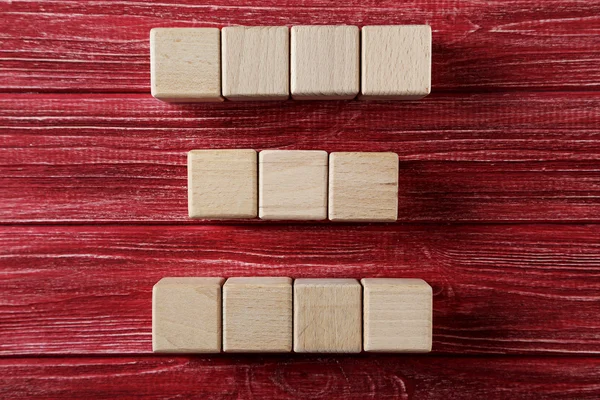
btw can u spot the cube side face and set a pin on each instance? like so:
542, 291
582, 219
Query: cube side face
185, 64
327, 318
222, 184
257, 318
256, 63
363, 187
186, 318
325, 62
395, 62
293, 185
397, 318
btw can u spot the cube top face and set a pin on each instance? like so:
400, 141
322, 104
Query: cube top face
293, 184
186, 315
397, 315
327, 316
222, 184
325, 62
257, 315
363, 187
256, 62
395, 62
185, 64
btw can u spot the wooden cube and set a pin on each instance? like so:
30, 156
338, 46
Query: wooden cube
256, 62
293, 184
186, 315
395, 62
325, 62
257, 315
363, 187
185, 64
222, 184
397, 315
327, 316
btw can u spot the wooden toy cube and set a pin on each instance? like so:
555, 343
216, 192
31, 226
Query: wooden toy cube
325, 62
293, 184
363, 187
256, 62
257, 315
395, 62
397, 315
186, 315
222, 184
185, 64
327, 316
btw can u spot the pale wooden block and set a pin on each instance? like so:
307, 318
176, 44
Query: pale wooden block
222, 184
327, 316
257, 315
395, 62
325, 62
185, 64
256, 62
397, 315
186, 315
293, 184
363, 187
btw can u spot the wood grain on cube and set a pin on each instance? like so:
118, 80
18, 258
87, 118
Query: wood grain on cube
256, 62
257, 315
397, 315
222, 184
293, 184
395, 62
185, 64
325, 62
327, 316
186, 315
363, 186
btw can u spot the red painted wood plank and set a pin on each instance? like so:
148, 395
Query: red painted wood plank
524, 289
296, 376
102, 46
108, 158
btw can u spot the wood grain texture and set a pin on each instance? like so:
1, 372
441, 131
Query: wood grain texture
256, 62
300, 377
186, 315
257, 315
325, 62
395, 62
102, 46
87, 289
327, 315
292, 185
185, 64
397, 315
121, 158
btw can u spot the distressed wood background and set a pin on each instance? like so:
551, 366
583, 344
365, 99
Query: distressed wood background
499, 202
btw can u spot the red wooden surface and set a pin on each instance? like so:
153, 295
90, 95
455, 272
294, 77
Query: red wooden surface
499, 202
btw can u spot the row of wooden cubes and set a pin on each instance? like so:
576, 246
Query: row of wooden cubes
322, 62
293, 185
267, 314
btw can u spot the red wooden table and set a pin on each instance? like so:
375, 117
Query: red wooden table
499, 202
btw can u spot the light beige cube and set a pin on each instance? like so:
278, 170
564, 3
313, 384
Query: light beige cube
363, 187
397, 315
257, 315
325, 62
293, 184
185, 64
327, 316
395, 62
186, 315
222, 184
256, 62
